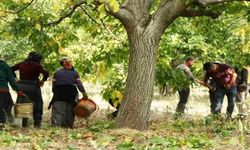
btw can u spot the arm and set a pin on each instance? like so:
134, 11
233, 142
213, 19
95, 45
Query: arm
191, 76
205, 81
189, 73
11, 79
45, 73
233, 77
80, 86
15, 68
53, 81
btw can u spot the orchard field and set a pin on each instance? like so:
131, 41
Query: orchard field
131, 47
196, 130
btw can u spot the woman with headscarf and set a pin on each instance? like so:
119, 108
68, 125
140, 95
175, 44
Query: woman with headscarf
65, 83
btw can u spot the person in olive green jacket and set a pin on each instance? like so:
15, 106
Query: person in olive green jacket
6, 102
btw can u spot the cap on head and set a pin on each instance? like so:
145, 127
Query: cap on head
64, 59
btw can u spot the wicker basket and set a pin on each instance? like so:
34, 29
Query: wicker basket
23, 110
84, 108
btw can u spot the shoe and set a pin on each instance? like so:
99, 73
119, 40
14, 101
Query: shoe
37, 124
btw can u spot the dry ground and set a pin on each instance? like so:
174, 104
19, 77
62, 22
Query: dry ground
196, 130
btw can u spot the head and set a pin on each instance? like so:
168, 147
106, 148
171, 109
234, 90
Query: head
210, 67
190, 61
66, 63
34, 56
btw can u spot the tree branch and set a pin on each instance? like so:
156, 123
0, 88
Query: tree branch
205, 3
167, 12
102, 22
69, 14
13, 12
26, 6
110, 32
196, 13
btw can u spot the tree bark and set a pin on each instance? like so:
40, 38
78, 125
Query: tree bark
135, 108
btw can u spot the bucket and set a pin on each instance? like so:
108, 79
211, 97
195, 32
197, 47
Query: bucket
23, 110
84, 108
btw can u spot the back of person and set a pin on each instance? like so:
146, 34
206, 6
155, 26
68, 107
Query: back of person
6, 102
65, 94
65, 77
29, 70
3, 75
29, 83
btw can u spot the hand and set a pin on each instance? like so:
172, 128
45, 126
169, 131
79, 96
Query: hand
227, 86
200, 82
41, 83
20, 93
84, 95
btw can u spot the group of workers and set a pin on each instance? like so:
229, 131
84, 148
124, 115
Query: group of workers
221, 80
64, 87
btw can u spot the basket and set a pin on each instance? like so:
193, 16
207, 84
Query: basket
84, 108
23, 110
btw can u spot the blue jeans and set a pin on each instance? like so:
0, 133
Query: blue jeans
219, 95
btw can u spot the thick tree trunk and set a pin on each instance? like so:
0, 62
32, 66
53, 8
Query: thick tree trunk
135, 108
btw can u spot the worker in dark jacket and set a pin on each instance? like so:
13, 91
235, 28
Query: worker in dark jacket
6, 102
29, 83
65, 84
224, 77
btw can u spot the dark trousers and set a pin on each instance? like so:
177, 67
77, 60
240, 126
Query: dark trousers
213, 103
218, 100
6, 104
62, 114
183, 94
33, 92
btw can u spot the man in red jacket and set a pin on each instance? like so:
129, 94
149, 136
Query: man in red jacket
224, 77
29, 71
